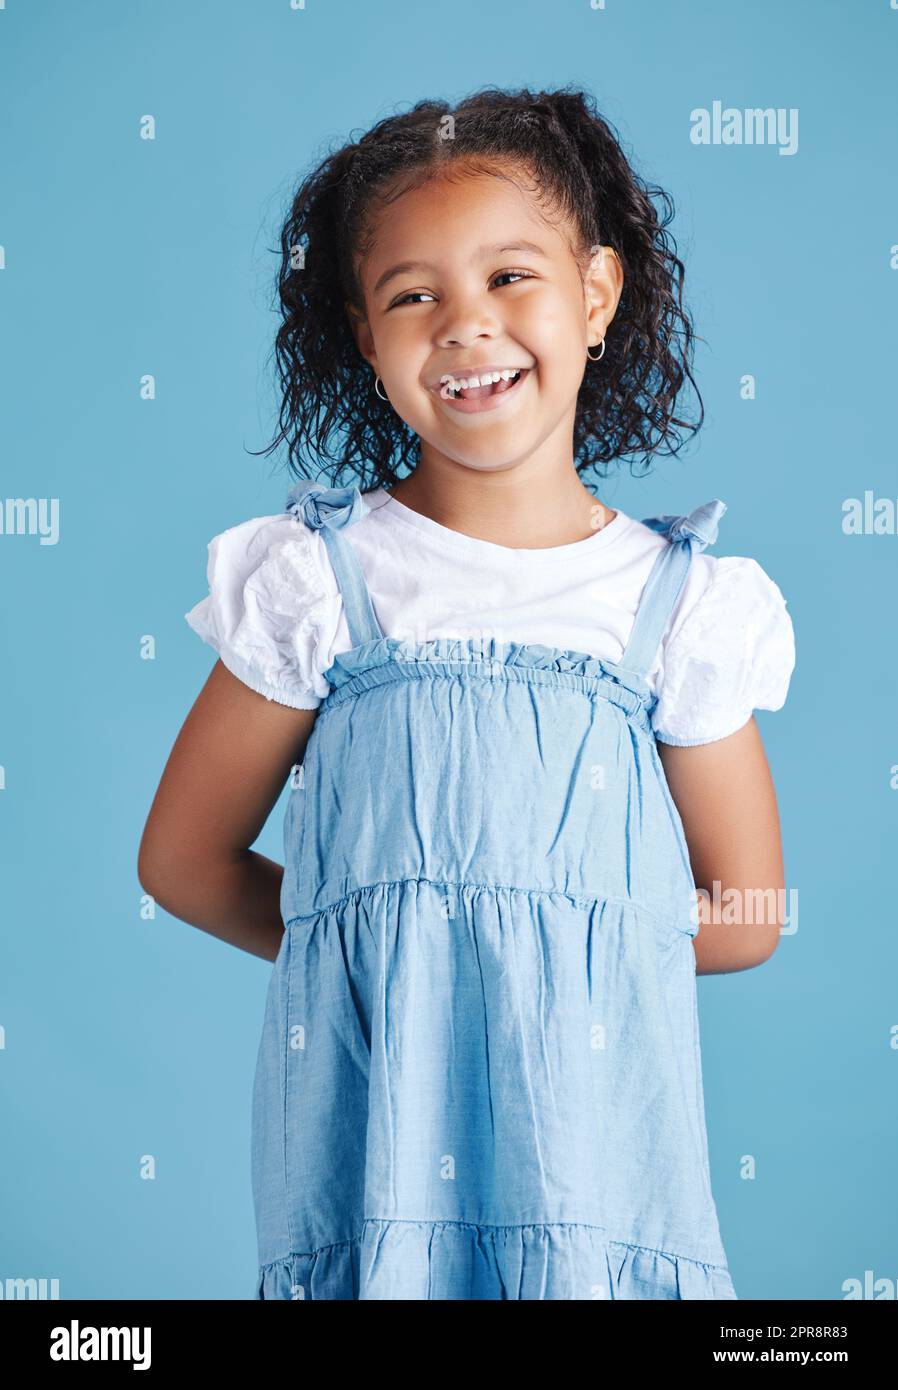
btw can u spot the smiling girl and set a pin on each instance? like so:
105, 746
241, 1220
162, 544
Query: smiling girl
520, 727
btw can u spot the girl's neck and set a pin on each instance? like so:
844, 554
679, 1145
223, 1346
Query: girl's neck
518, 512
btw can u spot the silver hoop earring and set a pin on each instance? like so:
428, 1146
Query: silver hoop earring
600, 356
376, 380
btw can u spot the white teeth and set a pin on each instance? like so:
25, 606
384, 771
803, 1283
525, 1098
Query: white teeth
465, 383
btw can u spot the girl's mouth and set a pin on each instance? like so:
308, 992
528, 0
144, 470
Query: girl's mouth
479, 398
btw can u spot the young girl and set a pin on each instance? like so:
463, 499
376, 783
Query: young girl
520, 727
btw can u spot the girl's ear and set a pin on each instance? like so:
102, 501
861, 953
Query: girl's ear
602, 289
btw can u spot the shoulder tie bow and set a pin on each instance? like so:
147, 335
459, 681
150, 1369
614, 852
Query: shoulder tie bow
699, 527
319, 506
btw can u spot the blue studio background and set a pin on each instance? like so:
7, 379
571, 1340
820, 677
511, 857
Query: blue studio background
123, 256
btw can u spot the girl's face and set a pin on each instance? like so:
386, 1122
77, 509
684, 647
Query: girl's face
466, 275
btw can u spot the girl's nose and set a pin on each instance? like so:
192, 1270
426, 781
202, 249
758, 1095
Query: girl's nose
462, 323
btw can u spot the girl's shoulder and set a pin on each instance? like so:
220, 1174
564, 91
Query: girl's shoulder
729, 649
272, 607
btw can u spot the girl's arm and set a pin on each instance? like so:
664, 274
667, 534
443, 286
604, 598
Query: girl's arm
726, 799
224, 774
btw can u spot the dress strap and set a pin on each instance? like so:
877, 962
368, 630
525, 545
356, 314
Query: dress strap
687, 535
330, 510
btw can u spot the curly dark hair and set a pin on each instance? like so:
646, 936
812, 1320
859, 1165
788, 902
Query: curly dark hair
626, 401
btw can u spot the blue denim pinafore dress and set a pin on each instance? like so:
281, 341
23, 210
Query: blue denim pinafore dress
479, 1073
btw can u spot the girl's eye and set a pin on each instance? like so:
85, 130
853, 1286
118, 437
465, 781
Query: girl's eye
521, 274
416, 294
412, 294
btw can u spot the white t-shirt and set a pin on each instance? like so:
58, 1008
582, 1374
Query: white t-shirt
275, 617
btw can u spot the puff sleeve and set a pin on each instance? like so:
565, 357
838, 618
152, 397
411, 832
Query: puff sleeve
272, 609
731, 653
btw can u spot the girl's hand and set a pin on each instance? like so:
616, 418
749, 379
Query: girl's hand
725, 796
225, 772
